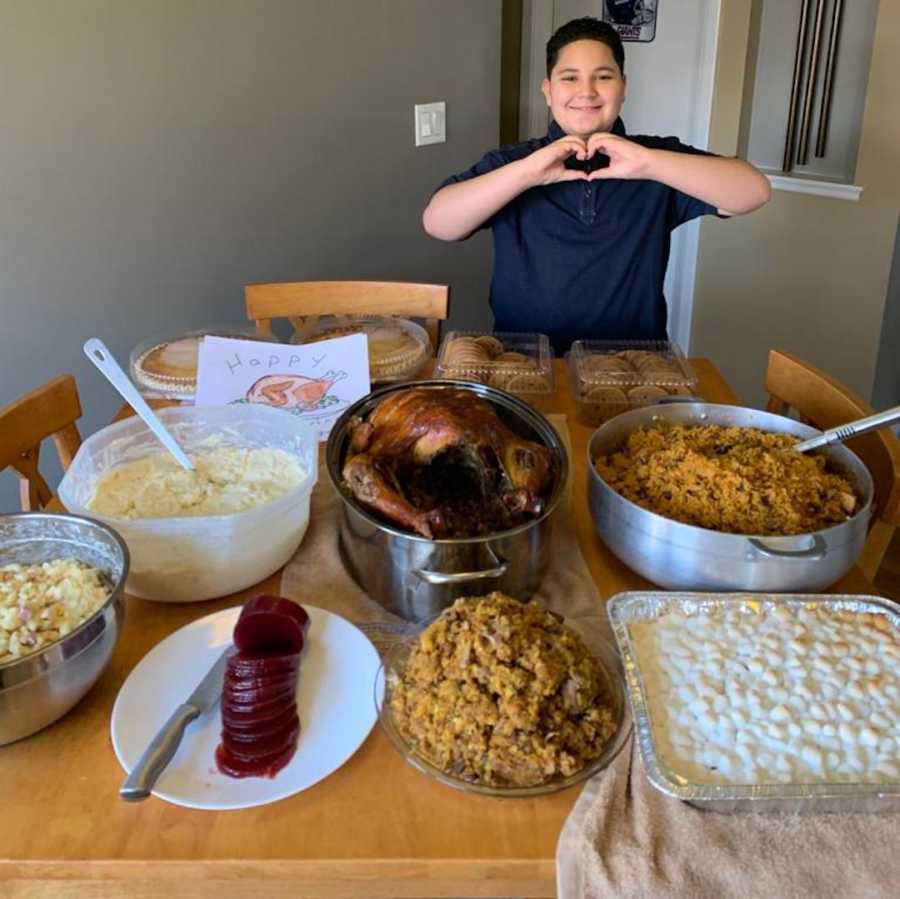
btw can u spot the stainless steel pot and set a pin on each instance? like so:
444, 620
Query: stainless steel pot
39, 688
685, 557
417, 578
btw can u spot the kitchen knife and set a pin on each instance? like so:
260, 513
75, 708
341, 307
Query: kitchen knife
163, 746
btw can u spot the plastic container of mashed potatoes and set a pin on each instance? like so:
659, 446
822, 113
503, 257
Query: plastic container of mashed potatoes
185, 559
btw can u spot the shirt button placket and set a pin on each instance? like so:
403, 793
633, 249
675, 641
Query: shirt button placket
587, 205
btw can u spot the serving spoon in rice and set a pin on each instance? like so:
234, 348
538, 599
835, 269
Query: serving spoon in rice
850, 430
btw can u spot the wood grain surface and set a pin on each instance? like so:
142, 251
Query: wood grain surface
375, 828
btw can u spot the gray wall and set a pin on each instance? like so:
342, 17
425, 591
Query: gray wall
157, 155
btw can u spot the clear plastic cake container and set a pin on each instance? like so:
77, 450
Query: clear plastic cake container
185, 559
155, 383
398, 347
518, 363
613, 376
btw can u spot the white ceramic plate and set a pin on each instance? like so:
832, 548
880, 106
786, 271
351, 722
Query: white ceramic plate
334, 702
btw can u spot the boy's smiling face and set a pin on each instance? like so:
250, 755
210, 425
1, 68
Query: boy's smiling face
586, 88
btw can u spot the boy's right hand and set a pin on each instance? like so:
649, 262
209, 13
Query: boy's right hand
547, 165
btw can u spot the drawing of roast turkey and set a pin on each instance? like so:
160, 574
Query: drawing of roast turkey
292, 391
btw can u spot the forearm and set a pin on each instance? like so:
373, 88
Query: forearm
456, 210
731, 185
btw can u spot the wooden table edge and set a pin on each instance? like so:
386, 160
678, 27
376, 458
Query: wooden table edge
374, 879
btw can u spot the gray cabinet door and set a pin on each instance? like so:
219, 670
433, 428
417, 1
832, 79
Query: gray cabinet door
776, 41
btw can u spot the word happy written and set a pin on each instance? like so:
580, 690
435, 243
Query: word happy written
272, 361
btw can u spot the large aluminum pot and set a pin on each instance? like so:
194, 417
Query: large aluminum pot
685, 557
37, 689
417, 578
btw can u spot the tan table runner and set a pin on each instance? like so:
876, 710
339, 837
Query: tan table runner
626, 839
316, 574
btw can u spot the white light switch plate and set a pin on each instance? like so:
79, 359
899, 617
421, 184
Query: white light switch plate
431, 123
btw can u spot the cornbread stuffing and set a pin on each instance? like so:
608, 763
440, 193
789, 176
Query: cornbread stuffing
500, 693
731, 479
39, 604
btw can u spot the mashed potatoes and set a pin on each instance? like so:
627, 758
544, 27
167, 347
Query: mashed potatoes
501, 693
224, 481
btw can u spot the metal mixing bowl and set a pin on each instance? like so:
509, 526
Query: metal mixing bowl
39, 688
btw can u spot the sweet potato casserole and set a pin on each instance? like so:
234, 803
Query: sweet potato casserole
501, 693
762, 693
732, 479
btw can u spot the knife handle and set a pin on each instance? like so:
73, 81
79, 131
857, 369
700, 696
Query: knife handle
157, 755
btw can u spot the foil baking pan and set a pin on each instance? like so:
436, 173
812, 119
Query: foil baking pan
625, 608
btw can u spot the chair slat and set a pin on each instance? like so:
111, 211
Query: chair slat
34, 492
301, 299
48, 411
826, 403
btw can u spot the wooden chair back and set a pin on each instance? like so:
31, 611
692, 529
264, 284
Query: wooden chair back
299, 300
823, 402
49, 411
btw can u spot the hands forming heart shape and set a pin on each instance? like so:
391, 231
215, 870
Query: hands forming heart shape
597, 161
601, 156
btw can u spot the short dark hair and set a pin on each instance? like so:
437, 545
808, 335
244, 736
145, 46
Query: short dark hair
585, 29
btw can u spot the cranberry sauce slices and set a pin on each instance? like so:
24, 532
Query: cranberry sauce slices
260, 726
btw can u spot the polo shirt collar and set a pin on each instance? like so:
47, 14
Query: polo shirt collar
555, 132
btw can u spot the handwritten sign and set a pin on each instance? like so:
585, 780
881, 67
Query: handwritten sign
317, 381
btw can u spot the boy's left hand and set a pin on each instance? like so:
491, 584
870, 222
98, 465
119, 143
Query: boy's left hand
626, 158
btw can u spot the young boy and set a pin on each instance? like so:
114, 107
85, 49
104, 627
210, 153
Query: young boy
581, 218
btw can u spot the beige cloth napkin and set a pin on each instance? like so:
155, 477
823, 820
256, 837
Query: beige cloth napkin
626, 839
316, 574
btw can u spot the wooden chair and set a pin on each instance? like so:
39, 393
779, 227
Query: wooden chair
298, 300
825, 403
49, 411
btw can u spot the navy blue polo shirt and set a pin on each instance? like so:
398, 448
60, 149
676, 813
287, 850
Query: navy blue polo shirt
584, 259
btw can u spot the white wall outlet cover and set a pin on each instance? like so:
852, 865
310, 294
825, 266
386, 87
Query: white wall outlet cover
430, 123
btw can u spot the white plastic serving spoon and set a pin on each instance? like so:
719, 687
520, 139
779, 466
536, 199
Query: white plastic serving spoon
97, 352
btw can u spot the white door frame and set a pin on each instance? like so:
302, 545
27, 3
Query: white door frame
682, 272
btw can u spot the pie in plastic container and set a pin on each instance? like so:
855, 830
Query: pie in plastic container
165, 367
398, 348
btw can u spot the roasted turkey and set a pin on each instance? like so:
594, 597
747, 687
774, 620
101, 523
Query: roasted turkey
440, 462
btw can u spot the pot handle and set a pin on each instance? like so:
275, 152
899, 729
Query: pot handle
461, 577
674, 399
813, 554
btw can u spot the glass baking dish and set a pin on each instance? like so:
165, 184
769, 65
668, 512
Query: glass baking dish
592, 632
626, 609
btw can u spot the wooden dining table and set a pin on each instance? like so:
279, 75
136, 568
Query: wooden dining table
375, 828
